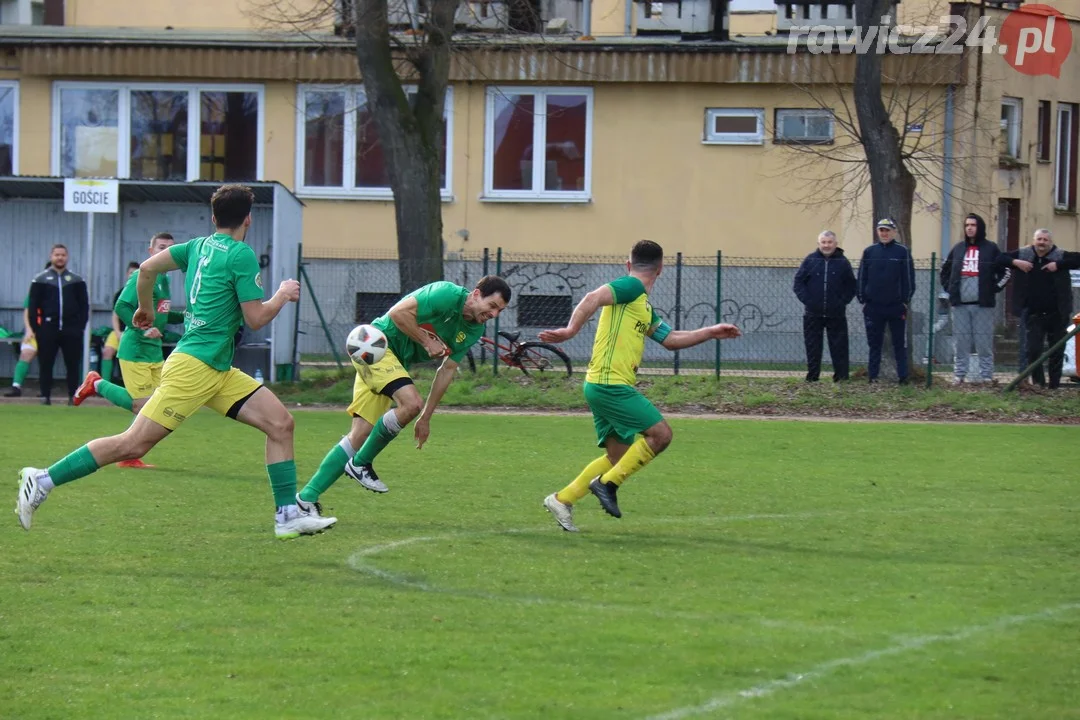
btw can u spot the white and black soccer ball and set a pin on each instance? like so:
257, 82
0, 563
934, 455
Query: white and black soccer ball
366, 344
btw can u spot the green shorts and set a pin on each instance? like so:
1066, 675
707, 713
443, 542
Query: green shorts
620, 410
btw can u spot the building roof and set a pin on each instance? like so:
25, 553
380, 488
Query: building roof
52, 188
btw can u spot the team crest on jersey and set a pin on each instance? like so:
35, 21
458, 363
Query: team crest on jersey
258, 280
460, 337
164, 305
67, 278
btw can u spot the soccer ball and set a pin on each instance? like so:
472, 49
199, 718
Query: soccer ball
366, 344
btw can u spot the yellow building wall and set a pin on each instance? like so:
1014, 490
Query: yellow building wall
1033, 181
751, 23
196, 14
651, 178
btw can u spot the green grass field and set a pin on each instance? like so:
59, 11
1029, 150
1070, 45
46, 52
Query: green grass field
760, 570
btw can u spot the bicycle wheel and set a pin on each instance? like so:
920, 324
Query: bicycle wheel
542, 358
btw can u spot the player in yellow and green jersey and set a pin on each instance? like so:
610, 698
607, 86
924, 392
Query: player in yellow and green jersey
223, 289
139, 351
27, 352
438, 320
620, 412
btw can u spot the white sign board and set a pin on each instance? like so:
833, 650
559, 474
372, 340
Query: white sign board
91, 196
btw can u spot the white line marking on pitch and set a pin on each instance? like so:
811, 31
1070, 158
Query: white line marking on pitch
916, 643
356, 562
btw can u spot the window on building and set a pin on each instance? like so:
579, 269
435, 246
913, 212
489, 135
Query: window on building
544, 310
804, 127
1012, 112
158, 131
9, 128
734, 126
1044, 144
1068, 119
340, 154
521, 121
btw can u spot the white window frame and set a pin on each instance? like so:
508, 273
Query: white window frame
14, 85
728, 138
123, 156
348, 178
1014, 127
539, 141
1063, 155
805, 112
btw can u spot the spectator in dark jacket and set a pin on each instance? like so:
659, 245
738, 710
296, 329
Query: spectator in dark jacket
973, 279
825, 285
59, 309
1043, 290
885, 286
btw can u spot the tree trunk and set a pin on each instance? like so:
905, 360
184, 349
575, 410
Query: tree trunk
892, 186
411, 133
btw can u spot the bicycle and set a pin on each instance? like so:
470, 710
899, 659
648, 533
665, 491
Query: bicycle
526, 356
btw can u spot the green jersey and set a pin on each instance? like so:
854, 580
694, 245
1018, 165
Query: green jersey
220, 274
620, 334
134, 345
438, 310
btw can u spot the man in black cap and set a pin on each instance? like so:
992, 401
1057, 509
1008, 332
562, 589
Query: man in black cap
885, 285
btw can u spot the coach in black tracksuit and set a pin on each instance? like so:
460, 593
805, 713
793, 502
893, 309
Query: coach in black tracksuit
59, 309
825, 284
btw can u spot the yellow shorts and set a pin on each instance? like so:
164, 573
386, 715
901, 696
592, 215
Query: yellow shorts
188, 384
370, 380
113, 341
29, 343
140, 378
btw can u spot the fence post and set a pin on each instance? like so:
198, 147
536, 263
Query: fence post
719, 289
322, 320
930, 336
295, 369
483, 347
678, 302
495, 350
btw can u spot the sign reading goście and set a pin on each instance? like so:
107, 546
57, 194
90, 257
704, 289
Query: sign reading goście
91, 196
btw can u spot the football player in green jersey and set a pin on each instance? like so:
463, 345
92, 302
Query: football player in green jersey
223, 285
620, 412
438, 320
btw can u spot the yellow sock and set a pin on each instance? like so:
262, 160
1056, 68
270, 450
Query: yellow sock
580, 487
638, 456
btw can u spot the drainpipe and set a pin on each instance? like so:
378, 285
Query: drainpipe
629, 31
947, 173
586, 17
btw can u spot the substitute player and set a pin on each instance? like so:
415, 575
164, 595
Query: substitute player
224, 289
438, 320
619, 411
27, 352
112, 341
139, 351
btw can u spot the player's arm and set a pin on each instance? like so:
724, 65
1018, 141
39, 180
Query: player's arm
405, 317
259, 314
149, 270
682, 339
585, 309
443, 377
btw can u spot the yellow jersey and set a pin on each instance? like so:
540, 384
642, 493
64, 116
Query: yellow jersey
620, 334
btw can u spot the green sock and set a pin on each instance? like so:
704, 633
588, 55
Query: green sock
115, 394
283, 482
106, 370
379, 438
332, 467
76, 465
21, 368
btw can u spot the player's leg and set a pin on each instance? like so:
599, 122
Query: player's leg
108, 355
388, 379
48, 345
629, 413
36, 484
71, 347
27, 351
333, 465
246, 400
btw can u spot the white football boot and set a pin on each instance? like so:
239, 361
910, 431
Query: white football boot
365, 475
31, 495
564, 514
294, 522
